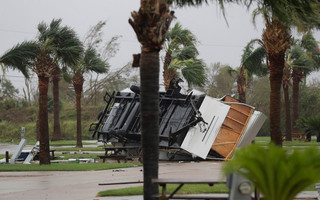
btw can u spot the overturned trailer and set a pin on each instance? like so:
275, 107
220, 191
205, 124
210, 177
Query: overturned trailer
192, 126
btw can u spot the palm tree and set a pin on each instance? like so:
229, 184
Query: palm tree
286, 83
151, 24
56, 74
251, 64
311, 126
304, 57
181, 53
279, 17
89, 61
55, 44
58, 45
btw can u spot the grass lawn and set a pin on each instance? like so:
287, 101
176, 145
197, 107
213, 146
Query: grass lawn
78, 149
56, 143
65, 166
186, 189
76, 156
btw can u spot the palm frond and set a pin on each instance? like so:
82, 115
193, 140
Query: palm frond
48, 31
193, 3
21, 56
179, 37
182, 3
92, 62
186, 53
61, 41
194, 72
274, 172
301, 14
310, 124
232, 71
309, 42
249, 48
254, 63
301, 60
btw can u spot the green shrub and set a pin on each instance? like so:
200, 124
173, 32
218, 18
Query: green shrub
11, 131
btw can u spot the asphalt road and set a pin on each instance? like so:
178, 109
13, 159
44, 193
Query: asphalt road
84, 185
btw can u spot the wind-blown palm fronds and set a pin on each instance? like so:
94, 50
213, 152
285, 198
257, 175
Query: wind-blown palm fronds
192, 70
181, 53
21, 56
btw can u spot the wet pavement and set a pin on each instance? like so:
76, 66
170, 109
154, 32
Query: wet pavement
84, 185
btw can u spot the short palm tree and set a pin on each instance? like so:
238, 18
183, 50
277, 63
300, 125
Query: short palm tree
277, 174
55, 44
181, 53
89, 61
310, 125
252, 63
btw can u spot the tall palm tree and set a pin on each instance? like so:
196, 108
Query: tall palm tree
181, 53
58, 44
297, 62
55, 44
151, 24
286, 83
276, 41
279, 17
55, 77
89, 61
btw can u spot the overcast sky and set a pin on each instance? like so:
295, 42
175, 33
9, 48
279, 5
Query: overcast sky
218, 41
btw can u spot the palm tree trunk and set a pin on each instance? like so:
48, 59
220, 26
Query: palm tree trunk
149, 73
44, 154
295, 98
242, 86
168, 73
276, 41
150, 24
275, 78
78, 87
288, 114
56, 110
